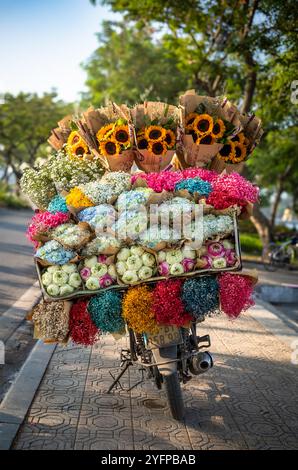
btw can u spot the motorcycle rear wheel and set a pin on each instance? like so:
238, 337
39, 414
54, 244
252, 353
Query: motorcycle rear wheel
174, 393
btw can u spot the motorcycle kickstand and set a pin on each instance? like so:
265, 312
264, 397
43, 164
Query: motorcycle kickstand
117, 382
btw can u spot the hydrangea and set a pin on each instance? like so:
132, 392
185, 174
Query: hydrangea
54, 253
132, 199
101, 244
98, 217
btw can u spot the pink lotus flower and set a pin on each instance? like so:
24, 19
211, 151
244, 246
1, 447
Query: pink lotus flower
164, 269
106, 281
231, 257
215, 249
208, 261
85, 273
102, 259
188, 264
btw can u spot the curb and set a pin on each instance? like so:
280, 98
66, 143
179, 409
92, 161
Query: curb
19, 397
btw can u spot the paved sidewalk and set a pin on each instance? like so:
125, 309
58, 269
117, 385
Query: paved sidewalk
247, 401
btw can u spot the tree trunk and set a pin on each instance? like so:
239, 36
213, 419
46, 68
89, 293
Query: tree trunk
251, 81
262, 226
279, 192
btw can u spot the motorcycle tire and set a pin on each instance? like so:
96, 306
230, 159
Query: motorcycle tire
174, 393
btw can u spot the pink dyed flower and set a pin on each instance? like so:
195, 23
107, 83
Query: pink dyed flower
188, 264
232, 189
208, 261
106, 281
231, 257
42, 222
85, 273
164, 269
215, 249
102, 259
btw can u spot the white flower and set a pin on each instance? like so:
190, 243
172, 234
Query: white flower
89, 262
145, 272
60, 278
136, 250
53, 269
174, 256
123, 254
99, 269
74, 280
227, 244
161, 256
92, 283
148, 259
188, 253
47, 278
69, 268
176, 269
112, 271
219, 263
134, 262
121, 267
67, 289
53, 290
130, 277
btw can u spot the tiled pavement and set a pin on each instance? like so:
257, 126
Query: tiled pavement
248, 400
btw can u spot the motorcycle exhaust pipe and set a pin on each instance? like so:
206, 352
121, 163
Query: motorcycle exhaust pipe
200, 363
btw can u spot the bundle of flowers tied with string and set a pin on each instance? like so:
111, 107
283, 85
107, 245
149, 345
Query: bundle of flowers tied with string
157, 128
107, 132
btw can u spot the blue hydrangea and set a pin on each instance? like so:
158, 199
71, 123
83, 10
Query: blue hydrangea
57, 204
54, 253
195, 185
201, 296
105, 310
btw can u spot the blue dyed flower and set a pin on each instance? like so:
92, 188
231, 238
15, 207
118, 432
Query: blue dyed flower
195, 185
105, 310
57, 204
200, 296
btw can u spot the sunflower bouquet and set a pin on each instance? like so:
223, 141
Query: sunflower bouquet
107, 131
157, 130
208, 124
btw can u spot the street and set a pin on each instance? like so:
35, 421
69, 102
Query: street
17, 272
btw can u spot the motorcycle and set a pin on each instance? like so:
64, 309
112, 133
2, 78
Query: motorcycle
170, 356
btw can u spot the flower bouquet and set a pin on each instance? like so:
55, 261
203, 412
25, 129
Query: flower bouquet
157, 132
108, 132
206, 127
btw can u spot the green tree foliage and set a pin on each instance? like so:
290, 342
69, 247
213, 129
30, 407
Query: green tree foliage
25, 123
128, 67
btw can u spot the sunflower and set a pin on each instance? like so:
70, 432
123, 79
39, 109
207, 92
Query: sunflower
206, 139
218, 129
155, 133
109, 147
170, 138
203, 124
189, 120
227, 152
142, 142
121, 135
240, 152
105, 132
78, 150
158, 148
74, 138
238, 138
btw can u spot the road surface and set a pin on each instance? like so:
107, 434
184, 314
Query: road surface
17, 272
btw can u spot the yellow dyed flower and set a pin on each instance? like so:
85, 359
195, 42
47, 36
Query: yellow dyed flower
170, 138
137, 310
203, 124
189, 120
78, 150
109, 148
121, 134
142, 142
105, 132
218, 129
158, 148
155, 133
240, 152
227, 153
206, 139
76, 198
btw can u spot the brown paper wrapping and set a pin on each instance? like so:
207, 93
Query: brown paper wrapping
122, 161
149, 162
